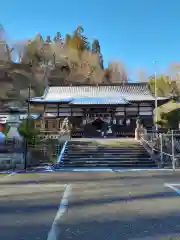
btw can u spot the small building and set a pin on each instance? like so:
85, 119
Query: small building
93, 109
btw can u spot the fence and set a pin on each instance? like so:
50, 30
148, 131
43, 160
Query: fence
164, 146
20, 154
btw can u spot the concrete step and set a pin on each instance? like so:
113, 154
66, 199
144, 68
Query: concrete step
115, 149
107, 162
105, 153
139, 165
104, 150
105, 157
104, 147
96, 155
104, 144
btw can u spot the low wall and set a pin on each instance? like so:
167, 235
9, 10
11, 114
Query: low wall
11, 161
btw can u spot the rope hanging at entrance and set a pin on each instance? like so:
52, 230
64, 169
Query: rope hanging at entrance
90, 120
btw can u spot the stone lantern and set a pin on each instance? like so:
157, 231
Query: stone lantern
14, 121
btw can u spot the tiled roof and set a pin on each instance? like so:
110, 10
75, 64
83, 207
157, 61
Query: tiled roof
96, 91
113, 94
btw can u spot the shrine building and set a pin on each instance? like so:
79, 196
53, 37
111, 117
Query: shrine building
93, 109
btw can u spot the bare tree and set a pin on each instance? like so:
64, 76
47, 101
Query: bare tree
3, 34
20, 49
142, 76
174, 70
116, 72
5, 49
44, 59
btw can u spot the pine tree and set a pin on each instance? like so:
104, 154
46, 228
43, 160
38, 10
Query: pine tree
78, 41
96, 46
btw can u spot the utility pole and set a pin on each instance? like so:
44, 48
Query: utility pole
156, 100
27, 129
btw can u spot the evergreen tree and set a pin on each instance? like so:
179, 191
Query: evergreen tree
97, 49
96, 46
165, 86
78, 41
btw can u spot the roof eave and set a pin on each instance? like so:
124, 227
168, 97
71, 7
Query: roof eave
43, 101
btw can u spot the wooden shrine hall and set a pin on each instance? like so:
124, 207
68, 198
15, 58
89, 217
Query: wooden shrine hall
96, 110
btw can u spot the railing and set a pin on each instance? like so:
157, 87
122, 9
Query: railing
166, 146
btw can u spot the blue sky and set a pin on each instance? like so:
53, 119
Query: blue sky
136, 32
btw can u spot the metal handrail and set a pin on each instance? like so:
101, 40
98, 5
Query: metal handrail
162, 153
155, 148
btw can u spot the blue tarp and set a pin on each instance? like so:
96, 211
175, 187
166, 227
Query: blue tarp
85, 100
99, 100
2, 135
50, 100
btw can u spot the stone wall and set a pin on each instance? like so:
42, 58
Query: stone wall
11, 161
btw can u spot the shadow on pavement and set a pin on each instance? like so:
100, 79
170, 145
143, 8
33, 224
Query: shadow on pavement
39, 204
124, 229
64, 178
26, 232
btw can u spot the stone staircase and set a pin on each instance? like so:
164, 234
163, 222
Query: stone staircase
106, 153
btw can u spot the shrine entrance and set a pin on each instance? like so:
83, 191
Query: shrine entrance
98, 124
94, 127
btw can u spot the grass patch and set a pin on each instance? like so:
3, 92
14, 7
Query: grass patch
29, 174
3, 174
32, 174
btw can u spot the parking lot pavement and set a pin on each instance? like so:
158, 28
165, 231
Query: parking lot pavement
124, 206
27, 211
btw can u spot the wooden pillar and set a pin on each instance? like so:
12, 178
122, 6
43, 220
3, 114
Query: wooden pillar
49, 124
138, 110
57, 124
125, 112
84, 115
114, 111
42, 124
44, 111
71, 111
58, 106
152, 110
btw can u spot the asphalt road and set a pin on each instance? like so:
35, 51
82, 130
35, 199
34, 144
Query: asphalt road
115, 206
27, 210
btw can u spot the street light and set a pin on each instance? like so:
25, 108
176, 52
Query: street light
156, 100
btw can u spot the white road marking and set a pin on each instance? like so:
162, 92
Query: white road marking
53, 233
174, 184
173, 187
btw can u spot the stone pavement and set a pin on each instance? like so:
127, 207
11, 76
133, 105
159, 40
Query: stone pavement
131, 205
